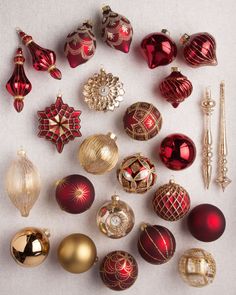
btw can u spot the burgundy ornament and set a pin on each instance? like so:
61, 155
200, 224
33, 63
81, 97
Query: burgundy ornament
177, 151
158, 49
75, 194
117, 31
118, 270
156, 244
42, 59
80, 45
199, 49
19, 85
175, 88
206, 222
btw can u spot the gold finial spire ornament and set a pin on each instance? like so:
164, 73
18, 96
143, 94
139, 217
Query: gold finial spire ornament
222, 178
207, 105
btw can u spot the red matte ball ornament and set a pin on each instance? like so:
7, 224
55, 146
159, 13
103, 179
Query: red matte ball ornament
206, 222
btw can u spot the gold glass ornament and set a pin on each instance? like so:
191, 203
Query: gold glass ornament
77, 253
103, 92
115, 218
98, 153
30, 246
197, 267
23, 183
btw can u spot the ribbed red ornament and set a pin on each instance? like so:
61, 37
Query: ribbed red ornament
199, 49
42, 59
176, 87
156, 244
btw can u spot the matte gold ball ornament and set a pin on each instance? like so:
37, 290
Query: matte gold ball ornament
77, 253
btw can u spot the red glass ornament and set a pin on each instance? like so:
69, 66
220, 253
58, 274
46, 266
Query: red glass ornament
80, 45
158, 49
42, 59
117, 31
19, 85
59, 123
199, 49
177, 151
206, 222
156, 244
119, 270
176, 87
75, 194
142, 121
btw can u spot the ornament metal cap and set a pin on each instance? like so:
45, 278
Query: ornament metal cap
106, 8
165, 31
175, 69
112, 136
184, 39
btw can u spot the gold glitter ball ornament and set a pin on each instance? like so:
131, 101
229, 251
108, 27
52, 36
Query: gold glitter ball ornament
98, 153
103, 92
115, 218
197, 267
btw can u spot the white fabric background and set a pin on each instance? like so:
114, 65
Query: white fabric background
49, 22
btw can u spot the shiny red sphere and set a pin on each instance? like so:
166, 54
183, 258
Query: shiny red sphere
177, 151
118, 270
206, 222
75, 194
156, 244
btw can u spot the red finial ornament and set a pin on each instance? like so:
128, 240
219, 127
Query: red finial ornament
19, 85
42, 59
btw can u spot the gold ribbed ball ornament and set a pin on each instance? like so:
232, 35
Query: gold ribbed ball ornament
30, 246
98, 153
77, 253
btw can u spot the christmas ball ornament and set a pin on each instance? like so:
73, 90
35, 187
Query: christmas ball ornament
75, 193
77, 253
177, 151
156, 244
103, 92
206, 222
117, 31
136, 174
199, 49
80, 45
175, 88
118, 270
171, 201
19, 85
142, 121
98, 153
59, 123
158, 49
23, 183
30, 246
197, 267
42, 59
115, 218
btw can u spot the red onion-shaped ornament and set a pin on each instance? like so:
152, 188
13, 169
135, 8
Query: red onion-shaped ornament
199, 49
176, 87
19, 85
156, 244
42, 59
117, 31
158, 49
80, 45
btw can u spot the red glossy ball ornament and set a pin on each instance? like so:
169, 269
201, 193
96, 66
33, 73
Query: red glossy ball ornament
156, 244
42, 59
176, 87
75, 194
142, 121
177, 151
206, 222
80, 45
19, 85
118, 270
158, 49
199, 49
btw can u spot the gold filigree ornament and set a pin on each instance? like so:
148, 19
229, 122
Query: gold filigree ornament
103, 92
